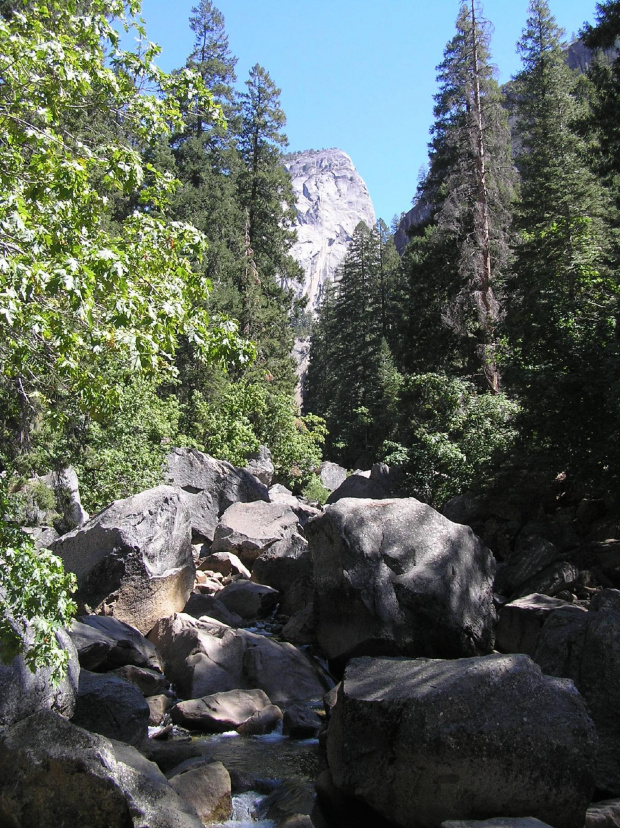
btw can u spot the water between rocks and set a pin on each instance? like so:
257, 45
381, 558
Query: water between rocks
271, 758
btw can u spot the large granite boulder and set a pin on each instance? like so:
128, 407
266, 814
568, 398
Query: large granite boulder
55, 773
605, 814
248, 529
196, 472
585, 647
204, 656
23, 693
303, 510
396, 577
423, 741
204, 514
105, 643
111, 706
199, 605
134, 559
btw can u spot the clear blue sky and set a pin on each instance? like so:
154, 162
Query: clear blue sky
354, 74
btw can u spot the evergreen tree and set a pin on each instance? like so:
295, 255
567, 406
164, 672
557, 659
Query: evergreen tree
352, 381
560, 317
459, 258
605, 74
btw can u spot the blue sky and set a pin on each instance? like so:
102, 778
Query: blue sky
354, 74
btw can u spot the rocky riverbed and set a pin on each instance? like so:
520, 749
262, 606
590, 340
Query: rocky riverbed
243, 657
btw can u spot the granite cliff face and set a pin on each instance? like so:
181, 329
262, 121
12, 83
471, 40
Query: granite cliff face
332, 199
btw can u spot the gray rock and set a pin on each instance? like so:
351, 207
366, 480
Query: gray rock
297, 596
204, 657
303, 510
531, 555
332, 475
262, 722
219, 712
521, 621
226, 563
463, 509
247, 529
197, 472
104, 643
66, 488
204, 514
586, 648
551, 580
300, 629
199, 605
67, 776
149, 682
289, 804
23, 693
283, 563
158, 707
109, 705
42, 536
134, 559
261, 466
301, 722
605, 814
249, 600
396, 577
359, 485
169, 755
425, 741
207, 789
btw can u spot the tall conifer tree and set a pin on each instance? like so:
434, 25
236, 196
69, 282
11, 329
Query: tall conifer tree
459, 259
561, 309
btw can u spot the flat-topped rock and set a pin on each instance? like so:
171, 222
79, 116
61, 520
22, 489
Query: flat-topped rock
424, 741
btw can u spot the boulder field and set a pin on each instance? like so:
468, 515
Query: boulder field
212, 604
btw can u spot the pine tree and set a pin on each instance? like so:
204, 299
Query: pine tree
459, 259
562, 297
352, 380
265, 188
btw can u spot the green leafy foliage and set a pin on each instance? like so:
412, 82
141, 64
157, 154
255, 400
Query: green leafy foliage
247, 415
71, 289
35, 598
315, 491
455, 435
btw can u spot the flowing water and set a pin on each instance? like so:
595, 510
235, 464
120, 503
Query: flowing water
267, 759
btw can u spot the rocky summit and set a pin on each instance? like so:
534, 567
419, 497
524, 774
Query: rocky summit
331, 200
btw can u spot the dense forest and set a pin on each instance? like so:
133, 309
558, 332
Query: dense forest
488, 355
146, 223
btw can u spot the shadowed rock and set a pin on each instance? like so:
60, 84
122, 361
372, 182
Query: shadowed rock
396, 577
424, 741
